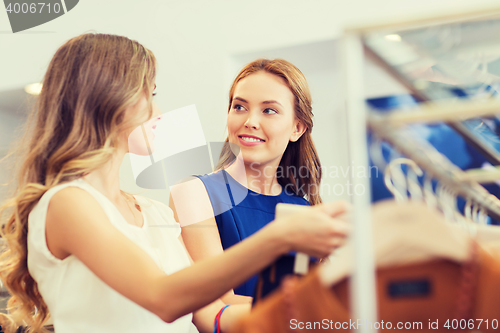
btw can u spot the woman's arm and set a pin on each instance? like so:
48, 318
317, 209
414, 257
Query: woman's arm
204, 317
77, 225
199, 229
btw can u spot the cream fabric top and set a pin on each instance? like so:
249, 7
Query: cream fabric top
78, 300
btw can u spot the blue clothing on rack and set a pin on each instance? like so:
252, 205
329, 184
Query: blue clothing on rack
445, 139
240, 212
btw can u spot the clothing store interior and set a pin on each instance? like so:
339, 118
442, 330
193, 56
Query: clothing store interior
406, 131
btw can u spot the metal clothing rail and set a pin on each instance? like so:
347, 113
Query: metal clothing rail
362, 287
469, 137
439, 112
363, 296
435, 164
482, 176
362, 290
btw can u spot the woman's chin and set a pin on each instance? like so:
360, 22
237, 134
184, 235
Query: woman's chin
251, 157
143, 151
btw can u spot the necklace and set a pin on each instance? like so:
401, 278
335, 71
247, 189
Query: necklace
148, 235
136, 205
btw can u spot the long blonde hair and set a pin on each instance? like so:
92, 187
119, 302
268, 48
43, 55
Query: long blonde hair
298, 155
79, 116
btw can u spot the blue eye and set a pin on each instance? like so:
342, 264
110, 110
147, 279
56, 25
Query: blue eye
270, 111
239, 107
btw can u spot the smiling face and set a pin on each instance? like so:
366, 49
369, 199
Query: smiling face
141, 139
261, 120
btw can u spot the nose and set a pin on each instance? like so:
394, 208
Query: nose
252, 121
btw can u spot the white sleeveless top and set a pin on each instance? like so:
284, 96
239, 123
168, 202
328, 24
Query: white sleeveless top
78, 301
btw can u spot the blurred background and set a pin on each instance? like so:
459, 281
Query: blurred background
201, 45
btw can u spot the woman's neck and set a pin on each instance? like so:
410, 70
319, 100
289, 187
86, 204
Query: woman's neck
106, 178
260, 178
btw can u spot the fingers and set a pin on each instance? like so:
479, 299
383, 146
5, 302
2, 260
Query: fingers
334, 226
324, 249
321, 237
340, 211
318, 230
335, 208
341, 227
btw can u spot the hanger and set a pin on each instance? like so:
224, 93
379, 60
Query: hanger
403, 187
404, 233
487, 235
447, 202
414, 187
429, 196
376, 152
407, 187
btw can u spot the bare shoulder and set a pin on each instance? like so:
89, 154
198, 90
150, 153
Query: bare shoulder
73, 201
193, 208
71, 194
193, 185
190, 202
72, 213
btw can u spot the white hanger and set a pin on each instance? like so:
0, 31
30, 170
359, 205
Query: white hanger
376, 153
429, 196
400, 184
404, 233
414, 187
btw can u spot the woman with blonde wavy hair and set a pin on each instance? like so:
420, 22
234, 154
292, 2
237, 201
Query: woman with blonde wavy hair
94, 258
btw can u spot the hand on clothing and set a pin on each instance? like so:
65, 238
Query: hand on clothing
316, 231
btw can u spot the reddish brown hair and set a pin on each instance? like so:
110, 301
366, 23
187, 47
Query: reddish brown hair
299, 155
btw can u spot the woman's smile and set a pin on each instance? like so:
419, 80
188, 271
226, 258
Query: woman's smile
250, 140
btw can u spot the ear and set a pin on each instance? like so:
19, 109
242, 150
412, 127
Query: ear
299, 129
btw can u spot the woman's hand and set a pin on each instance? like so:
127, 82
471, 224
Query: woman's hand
316, 231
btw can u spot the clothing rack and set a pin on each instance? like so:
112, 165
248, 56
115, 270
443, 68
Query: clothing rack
436, 165
439, 112
362, 286
469, 137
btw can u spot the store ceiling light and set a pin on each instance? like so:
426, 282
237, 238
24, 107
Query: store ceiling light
393, 38
34, 88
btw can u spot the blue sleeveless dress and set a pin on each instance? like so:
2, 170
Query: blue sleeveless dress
240, 212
